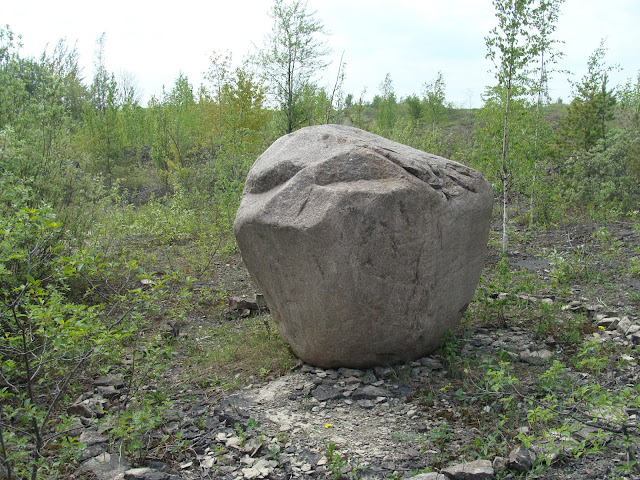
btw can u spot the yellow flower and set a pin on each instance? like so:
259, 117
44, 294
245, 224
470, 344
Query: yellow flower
600, 327
328, 425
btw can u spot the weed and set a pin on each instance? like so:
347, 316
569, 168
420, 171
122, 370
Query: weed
402, 437
488, 446
335, 461
499, 378
634, 267
131, 429
590, 357
569, 331
424, 398
448, 350
440, 435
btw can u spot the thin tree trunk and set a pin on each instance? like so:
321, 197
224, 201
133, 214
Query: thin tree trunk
335, 88
535, 144
3, 452
505, 201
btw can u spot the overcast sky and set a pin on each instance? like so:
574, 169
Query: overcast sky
409, 39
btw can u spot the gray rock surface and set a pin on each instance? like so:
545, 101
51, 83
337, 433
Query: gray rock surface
367, 251
476, 470
521, 459
105, 467
429, 476
145, 474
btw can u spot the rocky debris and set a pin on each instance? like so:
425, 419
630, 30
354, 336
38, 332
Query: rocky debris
259, 469
623, 330
366, 250
430, 476
105, 467
281, 429
521, 459
477, 470
95, 443
145, 473
109, 380
618, 329
537, 357
88, 406
380, 420
623, 325
244, 307
322, 393
500, 465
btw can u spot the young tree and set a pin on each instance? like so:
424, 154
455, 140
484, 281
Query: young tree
233, 120
356, 111
386, 111
593, 104
434, 100
630, 103
102, 81
291, 57
128, 88
13, 88
232, 106
61, 96
414, 109
630, 106
545, 18
100, 118
510, 48
487, 143
175, 126
39, 104
335, 99
213, 102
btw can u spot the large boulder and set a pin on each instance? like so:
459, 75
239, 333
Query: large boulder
367, 251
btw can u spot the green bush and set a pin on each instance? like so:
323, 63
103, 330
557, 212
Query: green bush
604, 179
60, 309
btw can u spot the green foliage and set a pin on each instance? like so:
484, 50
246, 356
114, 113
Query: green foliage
434, 101
440, 435
566, 270
385, 108
592, 107
521, 35
604, 178
487, 447
45, 337
291, 58
448, 349
630, 103
634, 267
561, 404
60, 310
335, 461
521, 132
132, 428
236, 352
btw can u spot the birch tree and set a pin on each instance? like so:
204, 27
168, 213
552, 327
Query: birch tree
545, 18
510, 48
293, 54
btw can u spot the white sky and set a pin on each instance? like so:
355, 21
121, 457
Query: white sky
410, 39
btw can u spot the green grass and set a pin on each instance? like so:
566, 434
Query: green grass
229, 355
